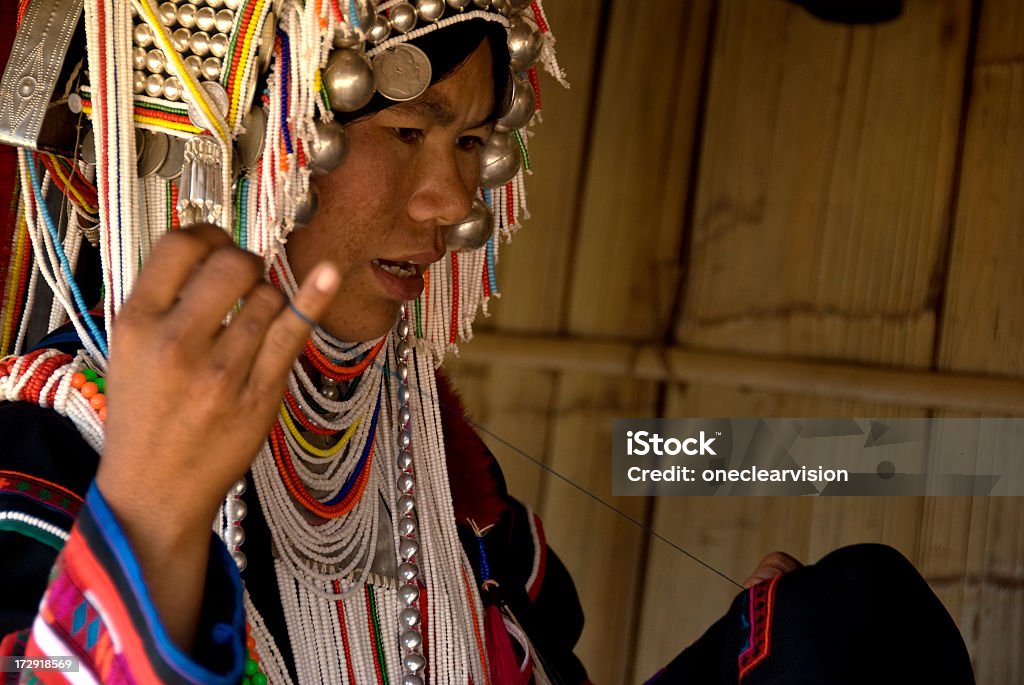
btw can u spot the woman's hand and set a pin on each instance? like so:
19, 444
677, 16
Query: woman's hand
190, 400
775, 564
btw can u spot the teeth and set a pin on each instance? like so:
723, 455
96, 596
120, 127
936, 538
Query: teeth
396, 270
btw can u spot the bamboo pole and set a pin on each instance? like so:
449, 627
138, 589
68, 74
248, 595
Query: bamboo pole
925, 389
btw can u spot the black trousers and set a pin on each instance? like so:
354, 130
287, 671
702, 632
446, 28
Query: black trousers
863, 614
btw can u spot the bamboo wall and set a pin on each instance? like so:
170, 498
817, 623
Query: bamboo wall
793, 200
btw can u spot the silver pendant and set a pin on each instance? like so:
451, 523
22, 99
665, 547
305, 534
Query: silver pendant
402, 73
199, 194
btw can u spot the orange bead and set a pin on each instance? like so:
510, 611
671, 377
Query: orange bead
103, 414
98, 401
250, 642
78, 380
89, 389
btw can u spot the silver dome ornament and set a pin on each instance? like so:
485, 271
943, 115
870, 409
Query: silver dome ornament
403, 17
379, 30
206, 18
139, 57
172, 88
409, 617
142, 35
346, 36
238, 489
411, 639
199, 43
179, 39
407, 525
138, 82
411, 679
328, 149
524, 42
407, 571
167, 12
499, 160
522, 107
482, 4
458, 4
219, 45
236, 536
414, 662
430, 10
224, 21
474, 231
405, 505
502, 6
239, 559
154, 85
306, 209
193, 65
187, 15
348, 80
211, 68
408, 594
408, 548
250, 141
155, 61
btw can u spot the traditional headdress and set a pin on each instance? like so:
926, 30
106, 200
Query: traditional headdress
221, 111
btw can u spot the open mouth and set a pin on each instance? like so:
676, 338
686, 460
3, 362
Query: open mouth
399, 269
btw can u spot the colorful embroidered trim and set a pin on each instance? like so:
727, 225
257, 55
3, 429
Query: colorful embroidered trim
51, 495
761, 601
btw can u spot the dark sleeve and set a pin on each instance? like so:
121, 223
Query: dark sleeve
71, 583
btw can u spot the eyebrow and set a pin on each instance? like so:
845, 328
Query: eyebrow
438, 109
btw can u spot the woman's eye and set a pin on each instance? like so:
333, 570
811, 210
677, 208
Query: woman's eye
470, 143
408, 135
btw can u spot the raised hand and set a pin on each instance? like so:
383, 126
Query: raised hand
190, 400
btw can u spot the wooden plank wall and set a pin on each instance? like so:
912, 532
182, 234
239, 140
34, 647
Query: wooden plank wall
738, 176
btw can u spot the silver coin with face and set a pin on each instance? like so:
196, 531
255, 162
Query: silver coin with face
402, 73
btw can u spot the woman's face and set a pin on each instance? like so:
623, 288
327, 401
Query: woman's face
411, 169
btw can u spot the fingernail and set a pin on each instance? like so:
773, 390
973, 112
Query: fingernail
327, 279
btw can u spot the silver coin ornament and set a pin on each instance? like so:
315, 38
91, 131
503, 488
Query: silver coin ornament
348, 80
171, 168
266, 47
524, 42
306, 210
250, 142
499, 160
402, 73
216, 97
154, 152
474, 231
522, 107
430, 10
328, 149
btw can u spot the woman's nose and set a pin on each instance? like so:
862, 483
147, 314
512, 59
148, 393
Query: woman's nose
444, 188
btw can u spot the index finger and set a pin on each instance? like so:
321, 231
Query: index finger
171, 263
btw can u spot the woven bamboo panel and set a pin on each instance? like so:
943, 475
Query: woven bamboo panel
821, 216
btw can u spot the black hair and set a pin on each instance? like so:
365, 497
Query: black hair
448, 49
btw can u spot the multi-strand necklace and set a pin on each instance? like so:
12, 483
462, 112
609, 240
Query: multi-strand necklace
353, 484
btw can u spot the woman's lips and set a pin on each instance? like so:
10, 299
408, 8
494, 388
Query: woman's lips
402, 280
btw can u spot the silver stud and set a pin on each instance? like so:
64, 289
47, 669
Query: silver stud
405, 438
214, 3
403, 329
380, 29
403, 349
348, 80
172, 88
154, 85
411, 679
224, 21
474, 231
482, 4
411, 639
142, 35
409, 617
404, 417
499, 160
219, 44
407, 571
407, 525
430, 10
211, 68
179, 39
139, 57
168, 13
408, 548
458, 4
503, 6
240, 561
138, 82
194, 65
404, 460
236, 536
155, 61
406, 482
187, 15
403, 373
238, 489
330, 392
524, 42
206, 18
403, 17
199, 43
404, 395
232, 4
414, 662
329, 147
408, 593
237, 511
406, 505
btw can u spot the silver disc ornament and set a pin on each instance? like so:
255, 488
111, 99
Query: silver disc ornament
474, 231
154, 153
522, 107
216, 98
524, 42
348, 80
250, 142
402, 73
499, 160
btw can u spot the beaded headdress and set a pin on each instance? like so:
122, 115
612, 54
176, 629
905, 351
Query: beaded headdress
233, 105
